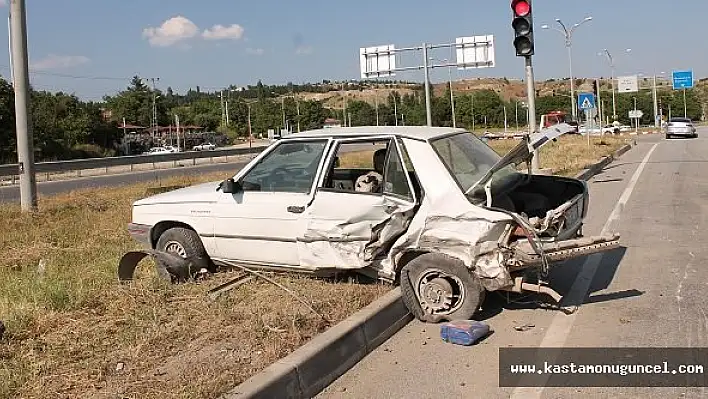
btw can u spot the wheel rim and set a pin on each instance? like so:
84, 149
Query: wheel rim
175, 248
440, 293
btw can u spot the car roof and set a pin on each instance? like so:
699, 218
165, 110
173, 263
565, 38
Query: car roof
413, 132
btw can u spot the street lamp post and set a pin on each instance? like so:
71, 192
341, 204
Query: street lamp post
612, 68
568, 34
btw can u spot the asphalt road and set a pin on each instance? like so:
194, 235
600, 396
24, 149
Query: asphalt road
12, 193
650, 293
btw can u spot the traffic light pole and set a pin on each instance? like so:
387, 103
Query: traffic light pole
23, 122
531, 98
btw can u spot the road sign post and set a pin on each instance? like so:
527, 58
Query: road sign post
683, 80
586, 102
472, 52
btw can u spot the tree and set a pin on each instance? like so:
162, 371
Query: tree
8, 138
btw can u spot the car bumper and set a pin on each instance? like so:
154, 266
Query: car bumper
682, 132
140, 233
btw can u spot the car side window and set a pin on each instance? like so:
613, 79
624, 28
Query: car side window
291, 167
395, 179
358, 167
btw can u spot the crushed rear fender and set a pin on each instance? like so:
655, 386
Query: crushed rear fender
525, 256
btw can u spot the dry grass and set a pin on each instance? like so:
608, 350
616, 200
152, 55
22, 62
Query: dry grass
73, 331
570, 154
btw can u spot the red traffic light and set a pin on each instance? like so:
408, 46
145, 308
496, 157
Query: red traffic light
521, 7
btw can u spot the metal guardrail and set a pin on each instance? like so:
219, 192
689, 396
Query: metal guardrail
96, 163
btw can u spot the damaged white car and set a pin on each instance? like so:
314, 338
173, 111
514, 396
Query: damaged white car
433, 209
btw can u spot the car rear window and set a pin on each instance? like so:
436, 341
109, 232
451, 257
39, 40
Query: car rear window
680, 120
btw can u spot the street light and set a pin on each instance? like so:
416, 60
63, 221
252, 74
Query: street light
452, 97
568, 34
612, 68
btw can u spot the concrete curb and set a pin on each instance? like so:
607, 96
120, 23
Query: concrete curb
315, 365
597, 167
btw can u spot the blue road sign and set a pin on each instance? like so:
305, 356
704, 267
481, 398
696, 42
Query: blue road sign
586, 101
682, 79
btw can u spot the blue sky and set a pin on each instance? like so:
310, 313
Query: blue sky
214, 43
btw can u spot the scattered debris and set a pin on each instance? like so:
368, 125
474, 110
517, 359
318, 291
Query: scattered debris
120, 366
625, 321
229, 285
525, 327
42, 267
463, 332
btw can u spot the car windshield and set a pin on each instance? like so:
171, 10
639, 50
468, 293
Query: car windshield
680, 120
468, 159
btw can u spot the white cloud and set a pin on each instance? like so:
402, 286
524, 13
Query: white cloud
220, 32
304, 50
255, 51
53, 61
172, 31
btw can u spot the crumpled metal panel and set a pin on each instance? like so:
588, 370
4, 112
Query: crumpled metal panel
350, 240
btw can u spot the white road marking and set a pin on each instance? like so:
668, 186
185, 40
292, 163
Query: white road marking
562, 324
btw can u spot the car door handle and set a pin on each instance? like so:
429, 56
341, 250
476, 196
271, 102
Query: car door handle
296, 209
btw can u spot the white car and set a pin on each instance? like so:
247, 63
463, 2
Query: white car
204, 147
432, 209
680, 127
161, 150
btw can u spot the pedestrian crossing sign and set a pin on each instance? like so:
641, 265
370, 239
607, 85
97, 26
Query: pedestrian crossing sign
586, 101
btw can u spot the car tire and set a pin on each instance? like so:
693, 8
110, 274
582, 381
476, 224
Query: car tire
448, 290
668, 137
186, 244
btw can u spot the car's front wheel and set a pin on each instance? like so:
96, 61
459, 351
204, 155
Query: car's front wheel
438, 287
186, 244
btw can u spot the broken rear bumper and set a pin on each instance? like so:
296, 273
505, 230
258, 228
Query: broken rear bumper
563, 250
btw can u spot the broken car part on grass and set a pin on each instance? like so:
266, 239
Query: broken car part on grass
451, 220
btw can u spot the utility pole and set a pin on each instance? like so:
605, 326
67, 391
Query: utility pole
250, 133
472, 106
153, 123
23, 118
221, 101
598, 104
177, 124
531, 88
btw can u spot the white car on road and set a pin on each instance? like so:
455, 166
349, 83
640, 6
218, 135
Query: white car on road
161, 150
204, 147
433, 209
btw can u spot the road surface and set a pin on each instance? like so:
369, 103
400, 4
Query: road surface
650, 293
12, 193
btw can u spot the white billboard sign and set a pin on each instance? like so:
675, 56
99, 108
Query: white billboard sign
628, 84
636, 114
475, 52
377, 61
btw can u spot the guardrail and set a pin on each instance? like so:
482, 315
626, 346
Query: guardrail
8, 170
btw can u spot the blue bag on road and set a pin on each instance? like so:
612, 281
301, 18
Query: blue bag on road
463, 332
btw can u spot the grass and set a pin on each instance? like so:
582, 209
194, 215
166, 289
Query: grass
570, 154
73, 331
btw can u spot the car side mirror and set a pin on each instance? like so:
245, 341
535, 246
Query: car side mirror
229, 186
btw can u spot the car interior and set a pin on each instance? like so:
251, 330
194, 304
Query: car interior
352, 164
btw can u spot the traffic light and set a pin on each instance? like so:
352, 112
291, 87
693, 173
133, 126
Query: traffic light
523, 27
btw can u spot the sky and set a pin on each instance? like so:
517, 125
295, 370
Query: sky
93, 47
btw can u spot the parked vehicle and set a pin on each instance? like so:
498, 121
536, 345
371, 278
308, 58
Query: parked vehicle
680, 127
432, 209
204, 147
160, 150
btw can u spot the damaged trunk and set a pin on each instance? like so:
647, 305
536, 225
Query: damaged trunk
554, 206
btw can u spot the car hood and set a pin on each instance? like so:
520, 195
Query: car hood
205, 192
523, 152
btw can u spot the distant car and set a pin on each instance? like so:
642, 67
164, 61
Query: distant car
625, 128
204, 147
610, 129
680, 127
160, 150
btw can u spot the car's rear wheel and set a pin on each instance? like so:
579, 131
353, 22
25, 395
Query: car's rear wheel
186, 244
437, 287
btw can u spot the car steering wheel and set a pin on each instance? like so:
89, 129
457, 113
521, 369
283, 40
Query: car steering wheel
276, 176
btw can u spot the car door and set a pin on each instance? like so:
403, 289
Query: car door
262, 220
346, 229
